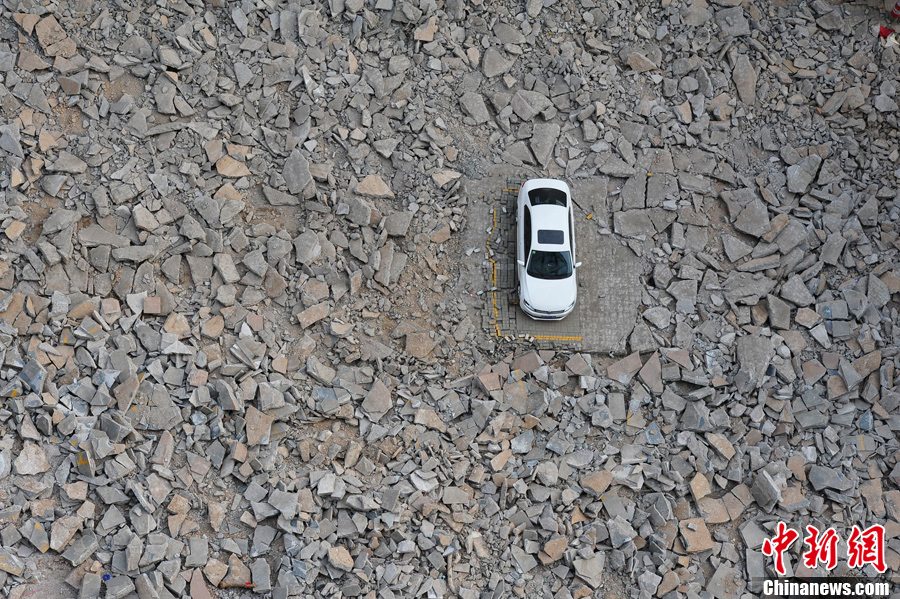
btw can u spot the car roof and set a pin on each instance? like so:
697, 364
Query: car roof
553, 218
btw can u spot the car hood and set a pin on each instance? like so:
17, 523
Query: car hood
549, 294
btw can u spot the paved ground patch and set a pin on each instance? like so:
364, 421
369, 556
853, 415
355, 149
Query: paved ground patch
609, 282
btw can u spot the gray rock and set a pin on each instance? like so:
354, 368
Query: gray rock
90, 586
620, 531
745, 77
33, 376
659, 317
754, 354
543, 140
198, 554
32, 459
726, 583
11, 563
10, 141
228, 399
280, 198
473, 105
591, 569
801, 175
877, 293
779, 312
307, 247
59, 220
735, 249
360, 211
633, 223
884, 103
261, 575
753, 219
377, 401
821, 477
795, 291
732, 21
297, 175
495, 63
118, 587
765, 491
528, 104
397, 223
68, 163
81, 548
256, 262
615, 167
224, 265
164, 95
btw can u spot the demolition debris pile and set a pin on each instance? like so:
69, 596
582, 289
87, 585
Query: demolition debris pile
241, 355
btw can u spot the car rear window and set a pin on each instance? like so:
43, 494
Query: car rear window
554, 197
552, 236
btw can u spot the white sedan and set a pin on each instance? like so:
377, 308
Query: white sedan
545, 249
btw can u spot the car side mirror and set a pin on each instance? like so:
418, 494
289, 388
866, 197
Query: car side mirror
578, 265
520, 262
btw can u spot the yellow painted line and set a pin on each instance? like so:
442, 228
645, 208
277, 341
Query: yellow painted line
558, 337
495, 310
487, 248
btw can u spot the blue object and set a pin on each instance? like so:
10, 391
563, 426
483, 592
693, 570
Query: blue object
866, 421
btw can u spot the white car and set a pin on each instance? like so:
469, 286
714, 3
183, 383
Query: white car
545, 249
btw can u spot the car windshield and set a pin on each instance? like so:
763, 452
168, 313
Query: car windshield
550, 265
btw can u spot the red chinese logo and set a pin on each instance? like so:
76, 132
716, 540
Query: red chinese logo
777, 545
822, 548
866, 547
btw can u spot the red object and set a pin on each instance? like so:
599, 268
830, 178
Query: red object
777, 545
822, 548
884, 32
866, 547
895, 13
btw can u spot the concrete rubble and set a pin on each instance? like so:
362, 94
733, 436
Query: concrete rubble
239, 346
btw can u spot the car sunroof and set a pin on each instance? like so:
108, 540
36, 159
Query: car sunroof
554, 197
550, 236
